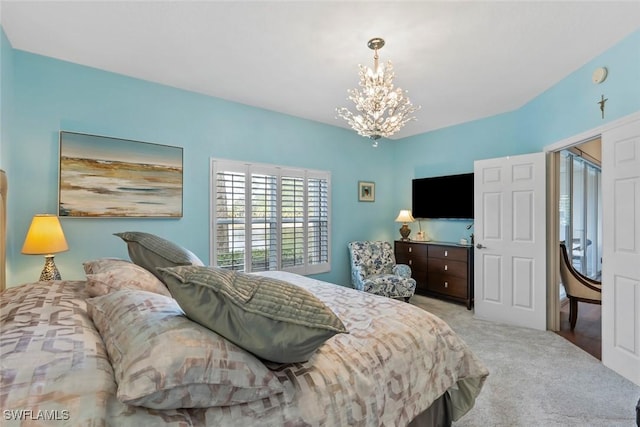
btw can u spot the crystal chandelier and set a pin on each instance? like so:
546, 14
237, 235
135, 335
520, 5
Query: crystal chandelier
382, 110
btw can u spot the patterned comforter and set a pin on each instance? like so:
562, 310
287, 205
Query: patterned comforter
395, 361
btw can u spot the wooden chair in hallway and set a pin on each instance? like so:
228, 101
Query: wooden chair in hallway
578, 286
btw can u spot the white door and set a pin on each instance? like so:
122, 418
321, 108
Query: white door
510, 235
621, 250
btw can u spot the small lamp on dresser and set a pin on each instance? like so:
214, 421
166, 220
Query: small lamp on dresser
45, 237
404, 217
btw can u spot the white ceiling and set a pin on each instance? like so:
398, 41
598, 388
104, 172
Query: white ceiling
460, 60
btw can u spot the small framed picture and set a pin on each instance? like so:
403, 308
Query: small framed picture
366, 191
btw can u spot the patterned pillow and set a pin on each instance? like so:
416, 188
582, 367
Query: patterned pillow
100, 264
273, 319
106, 275
162, 360
150, 251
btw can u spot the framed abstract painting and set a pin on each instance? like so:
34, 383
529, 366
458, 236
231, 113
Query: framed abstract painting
100, 176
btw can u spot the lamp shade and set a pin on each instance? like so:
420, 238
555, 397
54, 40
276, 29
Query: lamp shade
405, 216
45, 236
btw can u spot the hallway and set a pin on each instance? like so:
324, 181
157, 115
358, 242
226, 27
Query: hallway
588, 331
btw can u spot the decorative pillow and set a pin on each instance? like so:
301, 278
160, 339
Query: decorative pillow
150, 251
271, 318
162, 360
100, 264
109, 274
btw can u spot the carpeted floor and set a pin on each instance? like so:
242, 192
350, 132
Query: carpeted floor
537, 378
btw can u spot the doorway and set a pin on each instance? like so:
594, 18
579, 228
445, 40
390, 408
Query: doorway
621, 252
580, 227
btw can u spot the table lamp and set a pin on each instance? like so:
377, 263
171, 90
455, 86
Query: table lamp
404, 217
45, 237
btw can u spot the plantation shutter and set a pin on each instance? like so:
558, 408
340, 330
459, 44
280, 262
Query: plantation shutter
292, 211
318, 222
229, 201
264, 222
266, 217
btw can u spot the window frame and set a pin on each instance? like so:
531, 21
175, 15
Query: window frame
248, 169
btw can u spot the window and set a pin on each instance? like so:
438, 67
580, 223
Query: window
267, 217
581, 212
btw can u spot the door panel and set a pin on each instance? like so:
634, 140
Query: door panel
510, 224
621, 250
492, 279
492, 216
522, 220
523, 283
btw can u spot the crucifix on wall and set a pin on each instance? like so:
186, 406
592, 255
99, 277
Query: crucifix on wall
601, 102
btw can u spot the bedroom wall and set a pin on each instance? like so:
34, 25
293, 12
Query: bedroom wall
51, 95
6, 77
567, 108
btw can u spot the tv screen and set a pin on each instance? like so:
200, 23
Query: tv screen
443, 197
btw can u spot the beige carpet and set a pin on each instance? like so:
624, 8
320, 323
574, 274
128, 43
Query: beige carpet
537, 378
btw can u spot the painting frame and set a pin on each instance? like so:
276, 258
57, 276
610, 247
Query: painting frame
108, 177
366, 191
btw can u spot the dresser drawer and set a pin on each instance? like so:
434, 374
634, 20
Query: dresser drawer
411, 249
447, 285
420, 277
414, 255
447, 267
448, 252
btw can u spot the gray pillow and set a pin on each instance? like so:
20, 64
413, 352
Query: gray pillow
273, 319
150, 251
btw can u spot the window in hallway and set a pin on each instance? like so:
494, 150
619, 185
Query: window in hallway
581, 210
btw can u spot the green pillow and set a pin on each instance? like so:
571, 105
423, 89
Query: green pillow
273, 319
150, 251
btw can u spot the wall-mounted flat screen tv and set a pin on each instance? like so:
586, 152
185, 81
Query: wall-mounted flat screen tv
446, 197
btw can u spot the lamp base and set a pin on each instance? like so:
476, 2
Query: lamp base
404, 232
50, 271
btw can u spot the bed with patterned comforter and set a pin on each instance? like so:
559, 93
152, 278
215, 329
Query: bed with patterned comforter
393, 364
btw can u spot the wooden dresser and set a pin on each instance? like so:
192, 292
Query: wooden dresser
442, 270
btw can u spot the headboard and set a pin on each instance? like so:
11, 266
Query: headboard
3, 228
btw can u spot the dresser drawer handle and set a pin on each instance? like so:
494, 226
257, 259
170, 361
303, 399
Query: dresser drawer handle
410, 248
446, 253
410, 262
446, 284
446, 267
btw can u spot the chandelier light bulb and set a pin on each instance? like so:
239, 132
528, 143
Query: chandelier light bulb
382, 110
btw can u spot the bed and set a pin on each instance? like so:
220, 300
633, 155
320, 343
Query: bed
395, 364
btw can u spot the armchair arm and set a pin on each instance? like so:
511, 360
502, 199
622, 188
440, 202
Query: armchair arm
402, 270
587, 281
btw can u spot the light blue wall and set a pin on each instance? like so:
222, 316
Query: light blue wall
6, 85
446, 151
52, 95
568, 108
47, 95
571, 106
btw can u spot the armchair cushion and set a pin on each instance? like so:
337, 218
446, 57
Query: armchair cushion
374, 270
402, 270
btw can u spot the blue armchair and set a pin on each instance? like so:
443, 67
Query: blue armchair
374, 270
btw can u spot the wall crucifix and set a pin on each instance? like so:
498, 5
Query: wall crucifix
601, 102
